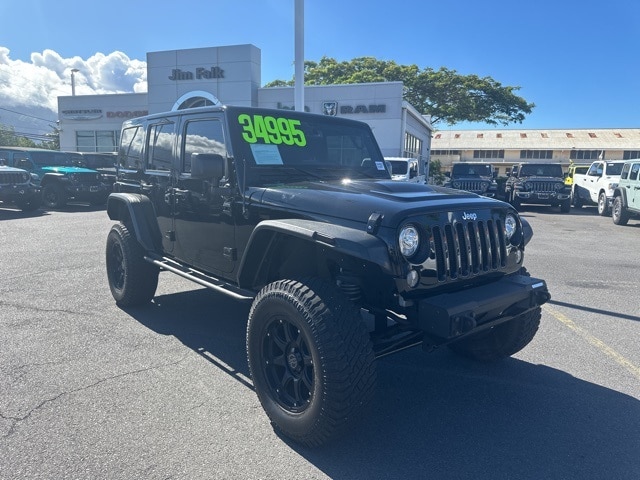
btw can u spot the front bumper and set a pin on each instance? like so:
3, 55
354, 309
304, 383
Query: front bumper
18, 193
541, 197
87, 192
451, 315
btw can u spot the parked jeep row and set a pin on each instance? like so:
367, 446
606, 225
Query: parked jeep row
56, 176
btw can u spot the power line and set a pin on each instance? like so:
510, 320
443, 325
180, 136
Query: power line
26, 115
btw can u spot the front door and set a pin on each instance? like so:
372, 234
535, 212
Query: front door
633, 194
203, 220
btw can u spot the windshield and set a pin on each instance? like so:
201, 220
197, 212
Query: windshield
287, 147
614, 168
98, 160
464, 170
541, 171
51, 159
398, 167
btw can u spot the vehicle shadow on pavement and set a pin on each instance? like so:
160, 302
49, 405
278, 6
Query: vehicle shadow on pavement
210, 324
12, 214
438, 415
599, 311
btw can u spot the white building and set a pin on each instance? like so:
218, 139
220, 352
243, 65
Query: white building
230, 75
503, 148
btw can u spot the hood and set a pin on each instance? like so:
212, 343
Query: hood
68, 170
357, 200
534, 178
462, 178
6, 169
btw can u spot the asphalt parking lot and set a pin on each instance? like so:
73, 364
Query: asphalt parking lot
90, 391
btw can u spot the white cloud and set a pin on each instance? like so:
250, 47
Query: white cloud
35, 86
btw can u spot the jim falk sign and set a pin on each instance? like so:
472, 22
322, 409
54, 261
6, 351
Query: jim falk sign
201, 73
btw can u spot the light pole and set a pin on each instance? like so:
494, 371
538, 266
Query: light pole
73, 81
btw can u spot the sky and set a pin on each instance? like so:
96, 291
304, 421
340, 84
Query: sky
578, 61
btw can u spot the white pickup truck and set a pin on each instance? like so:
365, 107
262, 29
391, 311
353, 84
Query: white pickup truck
597, 185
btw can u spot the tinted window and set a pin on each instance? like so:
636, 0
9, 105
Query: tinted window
625, 171
541, 170
52, 158
634, 171
460, 169
161, 142
288, 146
202, 136
614, 168
130, 152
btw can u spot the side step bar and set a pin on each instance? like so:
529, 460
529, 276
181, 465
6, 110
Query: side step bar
200, 278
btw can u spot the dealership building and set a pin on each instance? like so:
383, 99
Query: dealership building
231, 75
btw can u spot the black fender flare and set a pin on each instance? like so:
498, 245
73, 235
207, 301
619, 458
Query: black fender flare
343, 240
138, 211
622, 193
527, 230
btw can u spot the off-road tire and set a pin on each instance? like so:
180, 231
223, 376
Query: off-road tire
132, 280
576, 200
54, 196
311, 359
29, 205
565, 206
603, 205
619, 214
98, 201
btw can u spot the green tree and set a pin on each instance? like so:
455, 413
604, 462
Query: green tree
8, 137
436, 175
53, 139
446, 95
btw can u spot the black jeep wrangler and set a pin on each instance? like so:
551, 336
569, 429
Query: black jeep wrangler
473, 177
297, 214
538, 183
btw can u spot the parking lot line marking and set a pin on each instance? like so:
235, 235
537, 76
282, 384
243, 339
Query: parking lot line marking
596, 342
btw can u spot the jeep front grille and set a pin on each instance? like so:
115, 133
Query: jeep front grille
472, 248
542, 186
474, 185
12, 178
86, 178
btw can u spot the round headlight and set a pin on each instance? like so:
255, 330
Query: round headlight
409, 240
510, 226
26, 177
456, 184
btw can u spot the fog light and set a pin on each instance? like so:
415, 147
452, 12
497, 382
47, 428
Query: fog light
519, 256
412, 278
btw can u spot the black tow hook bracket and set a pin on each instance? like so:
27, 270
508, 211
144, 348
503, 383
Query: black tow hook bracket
461, 324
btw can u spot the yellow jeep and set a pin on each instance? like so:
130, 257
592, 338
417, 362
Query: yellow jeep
573, 169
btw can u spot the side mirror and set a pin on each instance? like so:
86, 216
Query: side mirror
207, 165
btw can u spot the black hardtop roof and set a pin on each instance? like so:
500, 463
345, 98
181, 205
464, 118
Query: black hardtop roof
236, 108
